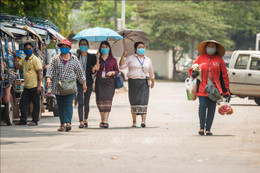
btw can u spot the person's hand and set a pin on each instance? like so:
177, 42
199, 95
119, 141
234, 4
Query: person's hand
152, 84
39, 89
125, 53
195, 74
48, 82
96, 67
110, 73
84, 87
14, 54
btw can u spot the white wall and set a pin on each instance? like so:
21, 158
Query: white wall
162, 62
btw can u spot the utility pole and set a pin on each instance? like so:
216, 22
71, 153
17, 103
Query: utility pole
123, 13
115, 1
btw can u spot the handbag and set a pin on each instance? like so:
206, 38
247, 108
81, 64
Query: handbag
65, 87
212, 91
118, 81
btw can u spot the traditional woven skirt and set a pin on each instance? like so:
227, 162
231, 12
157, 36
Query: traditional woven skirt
105, 90
138, 95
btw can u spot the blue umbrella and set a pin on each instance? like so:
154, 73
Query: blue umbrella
98, 34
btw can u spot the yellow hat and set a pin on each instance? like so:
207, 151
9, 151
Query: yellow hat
202, 47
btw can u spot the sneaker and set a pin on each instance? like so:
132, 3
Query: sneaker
68, 127
32, 123
61, 128
143, 125
81, 124
134, 125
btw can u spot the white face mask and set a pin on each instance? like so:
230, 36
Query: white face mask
211, 50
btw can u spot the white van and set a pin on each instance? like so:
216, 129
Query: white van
244, 74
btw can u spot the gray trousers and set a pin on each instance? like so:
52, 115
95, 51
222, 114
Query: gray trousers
83, 101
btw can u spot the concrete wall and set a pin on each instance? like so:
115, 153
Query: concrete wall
162, 62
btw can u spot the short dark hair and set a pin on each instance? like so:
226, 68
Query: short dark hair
83, 40
28, 44
106, 43
137, 43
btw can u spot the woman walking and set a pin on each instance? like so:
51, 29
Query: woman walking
213, 68
106, 68
87, 61
65, 67
140, 72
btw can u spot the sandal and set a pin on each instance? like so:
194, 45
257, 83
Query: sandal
208, 133
101, 124
68, 127
61, 128
106, 125
86, 125
81, 124
201, 132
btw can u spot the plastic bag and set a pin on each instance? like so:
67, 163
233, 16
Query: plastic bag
191, 87
224, 108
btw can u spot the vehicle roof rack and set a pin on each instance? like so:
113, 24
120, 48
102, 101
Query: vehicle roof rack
42, 23
14, 19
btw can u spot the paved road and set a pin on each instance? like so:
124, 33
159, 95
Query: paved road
169, 144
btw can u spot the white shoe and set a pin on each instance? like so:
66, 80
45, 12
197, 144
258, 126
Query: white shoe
134, 125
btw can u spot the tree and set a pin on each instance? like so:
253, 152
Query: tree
244, 17
100, 13
57, 11
180, 23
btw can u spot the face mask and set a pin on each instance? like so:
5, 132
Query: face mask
28, 52
104, 51
83, 48
141, 51
211, 50
64, 50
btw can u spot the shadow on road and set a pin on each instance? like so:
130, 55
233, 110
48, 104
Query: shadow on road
243, 104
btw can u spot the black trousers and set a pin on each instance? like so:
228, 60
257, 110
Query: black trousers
83, 101
28, 96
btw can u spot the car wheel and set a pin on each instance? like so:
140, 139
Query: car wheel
257, 100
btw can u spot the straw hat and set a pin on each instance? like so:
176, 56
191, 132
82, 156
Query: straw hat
202, 47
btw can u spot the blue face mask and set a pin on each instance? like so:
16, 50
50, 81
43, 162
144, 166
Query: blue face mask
64, 50
104, 51
83, 48
28, 52
141, 51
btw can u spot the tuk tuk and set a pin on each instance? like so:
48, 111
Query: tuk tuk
22, 32
7, 76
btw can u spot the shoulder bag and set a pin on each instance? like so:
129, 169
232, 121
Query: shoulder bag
65, 87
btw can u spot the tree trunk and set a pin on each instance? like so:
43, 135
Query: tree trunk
115, 15
174, 65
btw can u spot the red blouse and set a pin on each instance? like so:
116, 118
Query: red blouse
111, 65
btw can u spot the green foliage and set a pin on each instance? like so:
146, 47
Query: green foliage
57, 11
181, 22
100, 13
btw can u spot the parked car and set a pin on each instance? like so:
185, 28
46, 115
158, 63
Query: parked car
244, 74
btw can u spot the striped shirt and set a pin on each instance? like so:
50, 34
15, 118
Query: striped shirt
71, 70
